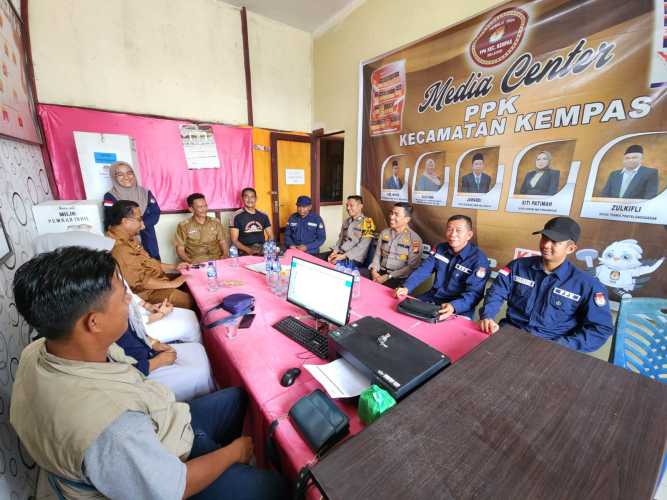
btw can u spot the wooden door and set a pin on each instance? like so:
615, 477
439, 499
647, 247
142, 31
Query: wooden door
291, 169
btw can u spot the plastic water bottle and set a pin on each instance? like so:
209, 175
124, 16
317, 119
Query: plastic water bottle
356, 284
340, 267
276, 275
212, 276
234, 255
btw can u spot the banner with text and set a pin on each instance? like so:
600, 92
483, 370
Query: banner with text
532, 110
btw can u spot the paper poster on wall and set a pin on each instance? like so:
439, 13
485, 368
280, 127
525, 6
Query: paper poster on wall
478, 180
394, 179
543, 178
96, 152
199, 146
658, 74
627, 180
295, 176
430, 183
17, 108
387, 98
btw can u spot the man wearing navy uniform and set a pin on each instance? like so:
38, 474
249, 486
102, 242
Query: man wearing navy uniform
305, 230
549, 297
461, 269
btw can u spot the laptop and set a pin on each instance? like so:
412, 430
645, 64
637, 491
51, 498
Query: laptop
390, 357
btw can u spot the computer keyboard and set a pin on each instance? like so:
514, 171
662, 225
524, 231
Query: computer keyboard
303, 335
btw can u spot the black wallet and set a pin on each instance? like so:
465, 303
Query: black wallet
319, 421
418, 309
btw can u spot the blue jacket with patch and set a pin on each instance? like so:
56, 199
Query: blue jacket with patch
459, 278
567, 306
308, 231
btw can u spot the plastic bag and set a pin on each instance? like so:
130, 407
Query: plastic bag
373, 402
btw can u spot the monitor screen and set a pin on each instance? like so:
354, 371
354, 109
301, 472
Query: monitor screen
323, 292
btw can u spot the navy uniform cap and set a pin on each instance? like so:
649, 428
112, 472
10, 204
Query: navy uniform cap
303, 201
561, 229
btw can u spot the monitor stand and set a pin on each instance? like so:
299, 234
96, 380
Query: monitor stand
322, 326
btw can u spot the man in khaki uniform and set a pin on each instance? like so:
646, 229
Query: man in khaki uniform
398, 251
200, 238
355, 234
146, 276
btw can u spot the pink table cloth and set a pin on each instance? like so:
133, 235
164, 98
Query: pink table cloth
258, 357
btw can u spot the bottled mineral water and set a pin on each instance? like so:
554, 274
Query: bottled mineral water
212, 276
234, 256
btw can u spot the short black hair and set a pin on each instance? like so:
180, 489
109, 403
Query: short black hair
456, 217
407, 208
195, 196
248, 189
119, 211
394, 162
55, 289
356, 197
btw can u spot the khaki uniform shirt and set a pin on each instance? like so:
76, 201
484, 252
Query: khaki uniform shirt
201, 241
351, 240
135, 263
397, 253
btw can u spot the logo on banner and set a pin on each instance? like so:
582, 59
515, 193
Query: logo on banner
499, 37
621, 267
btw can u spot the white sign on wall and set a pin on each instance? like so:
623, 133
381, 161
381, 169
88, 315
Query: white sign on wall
96, 152
295, 176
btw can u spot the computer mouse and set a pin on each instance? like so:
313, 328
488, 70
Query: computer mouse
289, 377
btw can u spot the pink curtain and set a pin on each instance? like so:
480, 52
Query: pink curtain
160, 156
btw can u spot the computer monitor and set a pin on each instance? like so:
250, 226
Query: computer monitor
323, 292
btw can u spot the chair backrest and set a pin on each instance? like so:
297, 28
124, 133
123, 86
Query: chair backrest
641, 337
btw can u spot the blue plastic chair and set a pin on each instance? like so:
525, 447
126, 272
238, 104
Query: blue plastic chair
640, 344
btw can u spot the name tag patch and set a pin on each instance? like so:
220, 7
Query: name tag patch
442, 258
312, 224
566, 294
463, 269
524, 281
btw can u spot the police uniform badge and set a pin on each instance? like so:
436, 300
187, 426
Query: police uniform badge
416, 247
599, 299
403, 257
481, 272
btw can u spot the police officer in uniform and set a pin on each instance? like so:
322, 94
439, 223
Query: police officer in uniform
355, 234
549, 297
200, 238
305, 230
461, 269
398, 251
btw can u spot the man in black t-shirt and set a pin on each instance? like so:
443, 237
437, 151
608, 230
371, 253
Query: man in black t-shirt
249, 228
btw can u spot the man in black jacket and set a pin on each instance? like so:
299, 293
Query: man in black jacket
477, 181
634, 181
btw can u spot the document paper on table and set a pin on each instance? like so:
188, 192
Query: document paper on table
339, 378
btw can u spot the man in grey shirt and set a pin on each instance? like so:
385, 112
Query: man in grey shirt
109, 429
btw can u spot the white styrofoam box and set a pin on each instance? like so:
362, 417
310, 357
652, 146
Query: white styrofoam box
96, 152
57, 216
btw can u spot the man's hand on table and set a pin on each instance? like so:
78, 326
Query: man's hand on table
335, 257
446, 311
377, 277
183, 266
488, 326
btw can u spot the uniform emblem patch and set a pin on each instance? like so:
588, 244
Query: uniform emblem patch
416, 247
505, 271
481, 272
599, 299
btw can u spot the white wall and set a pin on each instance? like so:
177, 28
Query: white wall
179, 58
281, 65
166, 57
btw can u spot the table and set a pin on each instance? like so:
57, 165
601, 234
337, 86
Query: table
519, 417
259, 356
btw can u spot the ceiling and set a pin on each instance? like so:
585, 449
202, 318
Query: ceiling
307, 15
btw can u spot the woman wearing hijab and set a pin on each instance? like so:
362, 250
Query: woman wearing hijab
125, 187
543, 181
